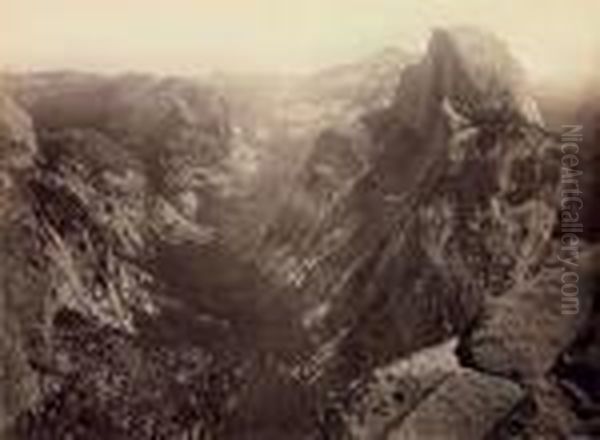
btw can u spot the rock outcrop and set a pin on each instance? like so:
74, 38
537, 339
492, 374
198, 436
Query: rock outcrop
463, 190
456, 206
21, 283
466, 405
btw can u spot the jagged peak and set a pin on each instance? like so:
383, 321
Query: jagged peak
474, 70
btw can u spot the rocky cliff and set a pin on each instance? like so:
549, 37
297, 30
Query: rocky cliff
394, 279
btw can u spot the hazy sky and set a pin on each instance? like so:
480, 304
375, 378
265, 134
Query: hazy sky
555, 38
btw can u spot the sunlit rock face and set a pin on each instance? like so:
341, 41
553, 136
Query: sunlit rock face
91, 206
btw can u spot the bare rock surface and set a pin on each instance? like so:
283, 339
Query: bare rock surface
467, 405
523, 332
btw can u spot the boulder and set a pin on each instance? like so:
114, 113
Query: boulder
468, 405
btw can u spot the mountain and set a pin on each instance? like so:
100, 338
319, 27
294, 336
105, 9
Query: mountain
354, 253
453, 207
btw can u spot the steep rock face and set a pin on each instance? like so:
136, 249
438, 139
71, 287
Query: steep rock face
522, 333
21, 283
139, 173
471, 68
85, 210
588, 114
281, 129
90, 204
574, 402
317, 221
72, 238
481, 234
177, 128
457, 205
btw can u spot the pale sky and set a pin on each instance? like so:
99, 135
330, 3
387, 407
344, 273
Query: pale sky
554, 38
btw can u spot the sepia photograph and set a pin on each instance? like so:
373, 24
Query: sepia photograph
299, 220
